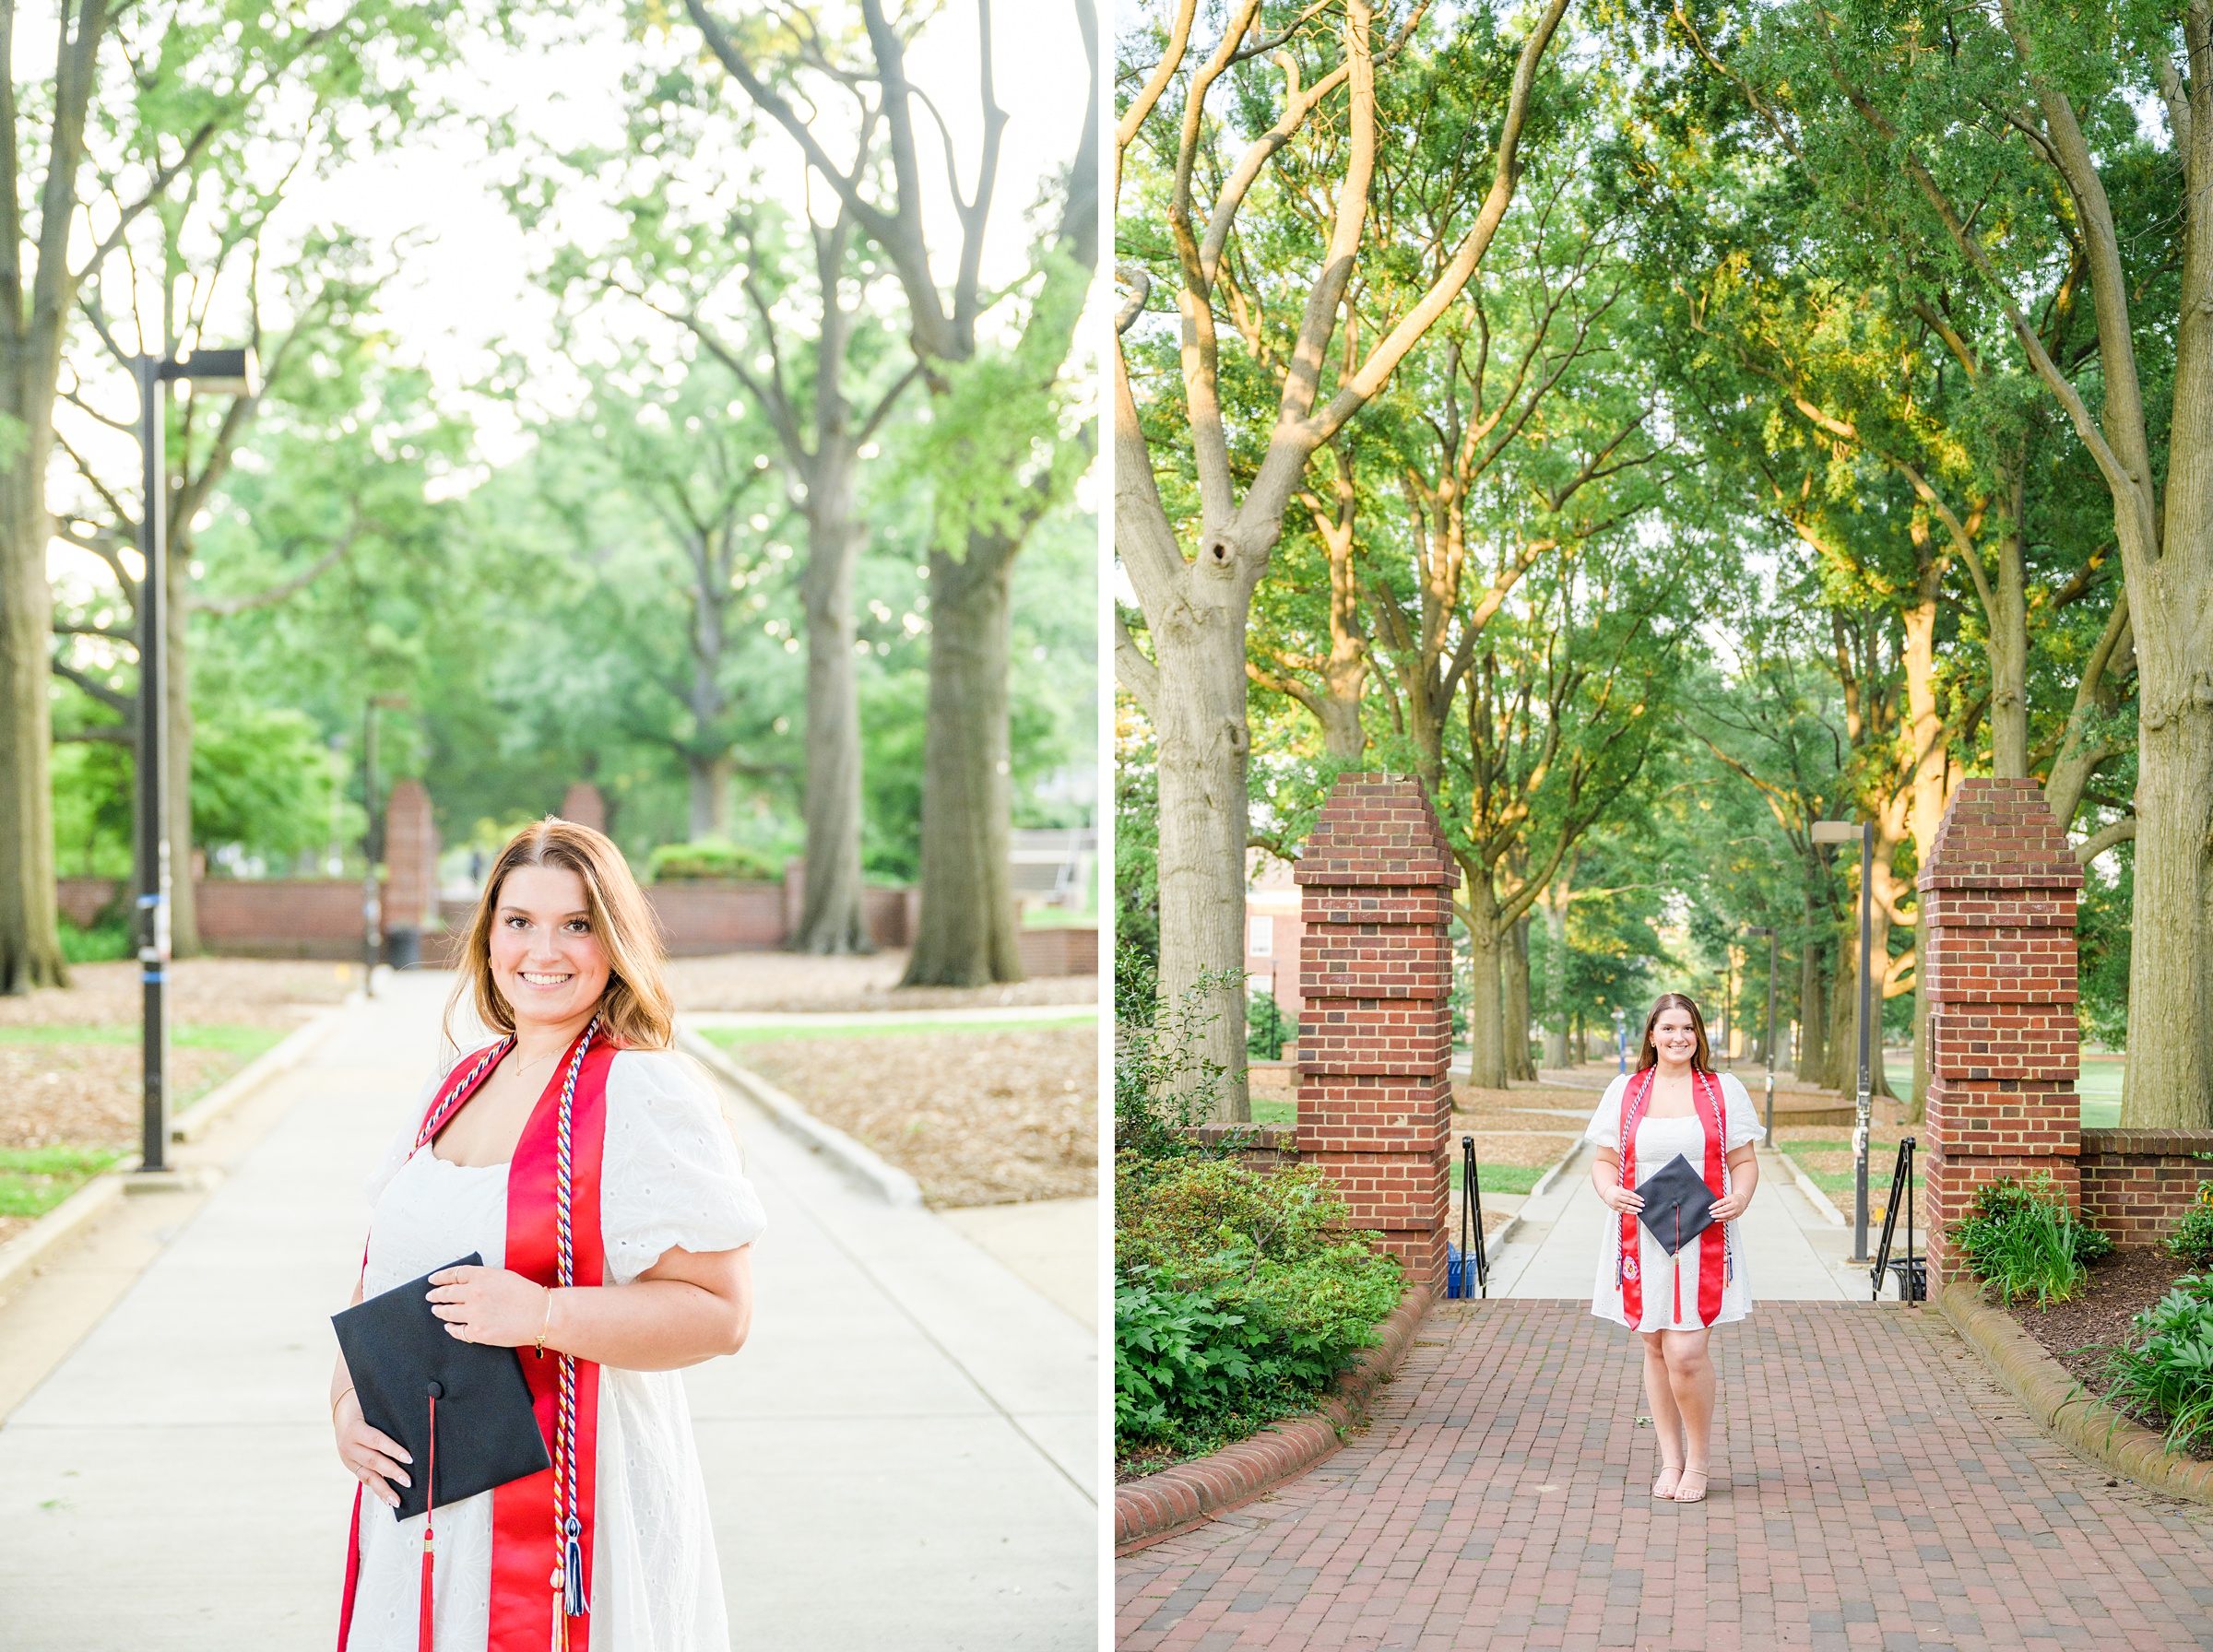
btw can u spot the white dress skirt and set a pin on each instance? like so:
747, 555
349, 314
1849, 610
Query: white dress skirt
1658, 1140
671, 1176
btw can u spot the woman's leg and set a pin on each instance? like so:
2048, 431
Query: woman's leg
1667, 1421
1690, 1381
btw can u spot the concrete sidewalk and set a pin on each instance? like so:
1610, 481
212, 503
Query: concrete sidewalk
905, 1453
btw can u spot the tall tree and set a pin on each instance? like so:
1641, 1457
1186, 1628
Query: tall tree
997, 407
2008, 143
1200, 171
139, 100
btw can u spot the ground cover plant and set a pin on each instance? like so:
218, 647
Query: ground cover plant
2021, 1239
1239, 1294
2165, 1373
2192, 1237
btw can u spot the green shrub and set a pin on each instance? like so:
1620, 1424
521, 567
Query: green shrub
102, 943
1247, 1265
1267, 1028
2167, 1371
2021, 1238
1163, 1083
1180, 1215
710, 861
1177, 1360
1196, 1362
2192, 1237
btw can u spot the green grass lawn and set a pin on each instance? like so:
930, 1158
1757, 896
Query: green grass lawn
1272, 1110
728, 1037
248, 1042
34, 1180
1501, 1178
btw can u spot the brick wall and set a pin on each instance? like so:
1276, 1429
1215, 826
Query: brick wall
2136, 1184
288, 917
410, 899
1997, 899
1374, 1094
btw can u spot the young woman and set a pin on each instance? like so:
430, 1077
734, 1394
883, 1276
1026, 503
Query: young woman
563, 962
1673, 1103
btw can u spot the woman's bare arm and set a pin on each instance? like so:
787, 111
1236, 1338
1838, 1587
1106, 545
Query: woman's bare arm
1744, 1180
688, 1307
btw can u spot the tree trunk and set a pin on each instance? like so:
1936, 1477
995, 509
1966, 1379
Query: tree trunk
1203, 743
184, 905
2170, 1081
1931, 766
1555, 926
30, 952
967, 935
1810, 1058
1518, 1064
710, 776
831, 919
1486, 998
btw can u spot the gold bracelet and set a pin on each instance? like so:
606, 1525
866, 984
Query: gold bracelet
547, 1324
338, 1402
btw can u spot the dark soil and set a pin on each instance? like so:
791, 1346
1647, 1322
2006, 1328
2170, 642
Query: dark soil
2081, 1333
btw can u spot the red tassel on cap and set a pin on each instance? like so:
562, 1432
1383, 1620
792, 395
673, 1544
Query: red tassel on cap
425, 1633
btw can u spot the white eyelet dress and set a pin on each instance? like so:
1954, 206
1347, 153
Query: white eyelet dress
1658, 1140
670, 1176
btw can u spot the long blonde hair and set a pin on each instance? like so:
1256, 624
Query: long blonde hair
635, 1009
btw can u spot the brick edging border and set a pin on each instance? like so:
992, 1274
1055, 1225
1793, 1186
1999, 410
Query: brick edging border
2061, 1405
1189, 1494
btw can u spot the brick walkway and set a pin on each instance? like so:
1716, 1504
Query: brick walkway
1872, 1487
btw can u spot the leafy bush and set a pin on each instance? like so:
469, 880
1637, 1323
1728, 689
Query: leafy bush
1162, 1084
102, 943
2020, 1237
1181, 1217
710, 861
2166, 1373
1176, 1357
2192, 1237
1267, 1028
1246, 1304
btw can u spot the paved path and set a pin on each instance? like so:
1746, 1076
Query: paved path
1873, 1488
905, 1454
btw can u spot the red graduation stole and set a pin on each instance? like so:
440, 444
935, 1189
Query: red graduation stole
1713, 1249
543, 1526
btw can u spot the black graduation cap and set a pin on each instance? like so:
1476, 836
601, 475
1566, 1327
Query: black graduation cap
399, 1353
1678, 1206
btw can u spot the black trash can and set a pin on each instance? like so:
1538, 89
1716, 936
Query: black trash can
403, 948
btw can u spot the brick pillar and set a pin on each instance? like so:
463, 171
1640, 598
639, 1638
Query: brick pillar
410, 859
584, 806
1998, 897
1375, 1039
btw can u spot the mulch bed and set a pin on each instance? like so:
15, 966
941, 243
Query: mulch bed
786, 981
1534, 1151
2079, 1334
978, 1118
89, 1094
231, 992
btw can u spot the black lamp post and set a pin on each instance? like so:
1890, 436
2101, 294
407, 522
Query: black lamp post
236, 372
1768, 1035
1842, 832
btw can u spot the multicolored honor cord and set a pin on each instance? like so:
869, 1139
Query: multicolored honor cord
568, 1569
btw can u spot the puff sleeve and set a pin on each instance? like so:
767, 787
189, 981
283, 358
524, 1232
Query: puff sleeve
401, 1148
1740, 1119
671, 1173
1606, 1123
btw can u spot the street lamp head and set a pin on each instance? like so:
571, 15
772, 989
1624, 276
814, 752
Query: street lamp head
234, 372
1836, 831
